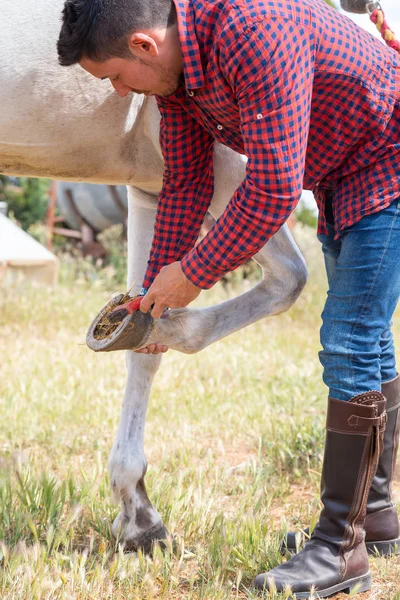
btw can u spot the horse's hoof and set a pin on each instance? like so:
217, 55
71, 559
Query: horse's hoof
157, 536
119, 330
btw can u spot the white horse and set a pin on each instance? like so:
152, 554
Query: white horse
62, 123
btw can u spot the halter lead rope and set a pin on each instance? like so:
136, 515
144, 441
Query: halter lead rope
377, 16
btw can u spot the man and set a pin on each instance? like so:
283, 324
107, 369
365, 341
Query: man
314, 102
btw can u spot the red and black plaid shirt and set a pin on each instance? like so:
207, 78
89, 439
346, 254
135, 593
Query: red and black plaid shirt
309, 97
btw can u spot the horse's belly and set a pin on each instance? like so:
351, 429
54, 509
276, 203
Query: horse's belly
102, 159
57, 162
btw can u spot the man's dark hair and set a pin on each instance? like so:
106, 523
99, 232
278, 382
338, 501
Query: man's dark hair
99, 29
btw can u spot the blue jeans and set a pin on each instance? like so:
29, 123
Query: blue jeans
363, 270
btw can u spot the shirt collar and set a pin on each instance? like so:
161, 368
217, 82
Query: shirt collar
192, 67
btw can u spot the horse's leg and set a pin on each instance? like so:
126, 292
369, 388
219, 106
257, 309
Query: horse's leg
284, 275
138, 523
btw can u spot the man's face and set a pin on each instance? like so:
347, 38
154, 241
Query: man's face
133, 75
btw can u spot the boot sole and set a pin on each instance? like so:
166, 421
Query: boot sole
355, 586
387, 548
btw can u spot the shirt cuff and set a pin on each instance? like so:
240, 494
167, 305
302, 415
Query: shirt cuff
199, 272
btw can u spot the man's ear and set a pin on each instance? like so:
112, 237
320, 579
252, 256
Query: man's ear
142, 44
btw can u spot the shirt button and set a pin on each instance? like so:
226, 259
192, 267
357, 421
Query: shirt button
220, 127
259, 116
190, 93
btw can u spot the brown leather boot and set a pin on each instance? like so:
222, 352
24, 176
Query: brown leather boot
335, 558
382, 530
382, 522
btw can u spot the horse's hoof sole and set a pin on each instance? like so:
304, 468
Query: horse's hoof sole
129, 333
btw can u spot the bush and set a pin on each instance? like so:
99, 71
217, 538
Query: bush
306, 216
27, 198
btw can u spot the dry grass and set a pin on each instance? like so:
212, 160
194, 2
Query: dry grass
234, 442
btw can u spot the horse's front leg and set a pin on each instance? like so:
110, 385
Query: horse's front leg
284, 276
138, 524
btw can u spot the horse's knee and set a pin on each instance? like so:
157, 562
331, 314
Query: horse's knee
299, 275
289, 283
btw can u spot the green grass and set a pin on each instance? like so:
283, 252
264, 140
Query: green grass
234, 441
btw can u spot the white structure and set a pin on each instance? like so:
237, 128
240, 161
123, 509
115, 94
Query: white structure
21, 256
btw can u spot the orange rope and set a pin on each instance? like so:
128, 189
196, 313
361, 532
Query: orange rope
377, 16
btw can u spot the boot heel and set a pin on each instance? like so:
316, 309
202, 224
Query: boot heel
362, 584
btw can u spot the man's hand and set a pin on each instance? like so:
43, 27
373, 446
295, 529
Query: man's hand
170, 289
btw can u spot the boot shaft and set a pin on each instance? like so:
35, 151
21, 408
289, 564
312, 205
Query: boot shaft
380, 496
354, 442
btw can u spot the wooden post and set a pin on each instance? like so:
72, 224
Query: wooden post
51, 211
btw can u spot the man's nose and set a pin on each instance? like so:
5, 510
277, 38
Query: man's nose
121, 89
